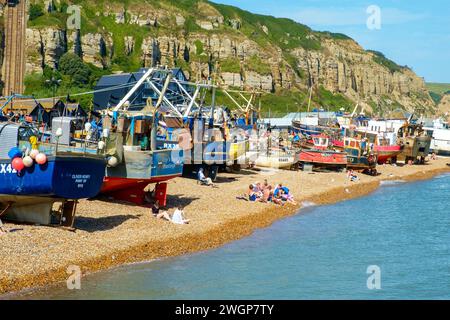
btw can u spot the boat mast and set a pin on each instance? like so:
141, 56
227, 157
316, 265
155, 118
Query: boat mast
157, 106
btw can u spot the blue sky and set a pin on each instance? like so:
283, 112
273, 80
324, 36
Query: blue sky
414, 33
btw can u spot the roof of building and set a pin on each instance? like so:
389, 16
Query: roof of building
115, 79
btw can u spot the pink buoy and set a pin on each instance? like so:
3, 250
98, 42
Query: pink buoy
17, 164
41, 158
34, 153
28, 162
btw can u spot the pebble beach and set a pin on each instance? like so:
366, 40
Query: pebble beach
110, 234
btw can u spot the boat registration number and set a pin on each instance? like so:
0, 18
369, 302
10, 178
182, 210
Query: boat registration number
6, 168
81, 180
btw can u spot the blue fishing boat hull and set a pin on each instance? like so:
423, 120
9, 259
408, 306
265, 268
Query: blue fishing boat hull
62, 177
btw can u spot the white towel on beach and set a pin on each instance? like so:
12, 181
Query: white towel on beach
178, 217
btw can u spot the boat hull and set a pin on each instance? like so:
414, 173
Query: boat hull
440, 147
63, 177
360, 163
415, 147
387, 153
276, 162
323, 158
139, 169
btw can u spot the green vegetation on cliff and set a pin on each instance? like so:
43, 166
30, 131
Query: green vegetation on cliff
380, 58
438, 90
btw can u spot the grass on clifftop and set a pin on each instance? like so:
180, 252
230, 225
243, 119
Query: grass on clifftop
381, 59
439, 88
437, 91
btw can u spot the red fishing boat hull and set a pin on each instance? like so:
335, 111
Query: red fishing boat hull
386, 153
338, 144
132, 190
323, 158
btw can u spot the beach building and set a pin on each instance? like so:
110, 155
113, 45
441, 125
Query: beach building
44, 110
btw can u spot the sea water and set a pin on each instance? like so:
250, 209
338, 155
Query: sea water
393, 244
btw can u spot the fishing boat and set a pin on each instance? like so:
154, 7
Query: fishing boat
274, 151
440, 133
276, 160
386, 152
359, 157
35, 174
143, 147
218, 142
382, 134
415, 143
321, 156
384, 145
441, 142
216, 145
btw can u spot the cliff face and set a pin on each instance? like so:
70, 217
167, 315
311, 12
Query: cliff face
236, 48
444, 105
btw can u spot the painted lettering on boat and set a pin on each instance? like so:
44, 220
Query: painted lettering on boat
6, 168
80, 180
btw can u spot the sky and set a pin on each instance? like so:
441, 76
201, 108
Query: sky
415, 33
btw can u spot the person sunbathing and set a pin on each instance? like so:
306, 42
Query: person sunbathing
178, 217
352, 176
277, 197
267, 195
287, 197
203, 179
158, 213
252, 195
258, 187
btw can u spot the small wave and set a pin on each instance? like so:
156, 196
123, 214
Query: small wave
391, 182
308, 204
442, 176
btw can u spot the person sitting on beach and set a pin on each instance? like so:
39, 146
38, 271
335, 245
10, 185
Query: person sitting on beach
433, 156
352, 176
157, 213
179, 218
266, 185
277, 196
252, 195
267, 195
286, 195
257, 187
203, 179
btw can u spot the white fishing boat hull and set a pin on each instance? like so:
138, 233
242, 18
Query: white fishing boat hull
441, 142
278, 162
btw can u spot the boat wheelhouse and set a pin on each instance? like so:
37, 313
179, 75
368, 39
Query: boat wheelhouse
359, 156
415, 142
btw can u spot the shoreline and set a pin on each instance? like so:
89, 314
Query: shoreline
227, 228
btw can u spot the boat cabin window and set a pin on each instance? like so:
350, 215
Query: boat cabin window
319, 141
383, 142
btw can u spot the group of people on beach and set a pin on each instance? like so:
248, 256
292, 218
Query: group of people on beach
264, 192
